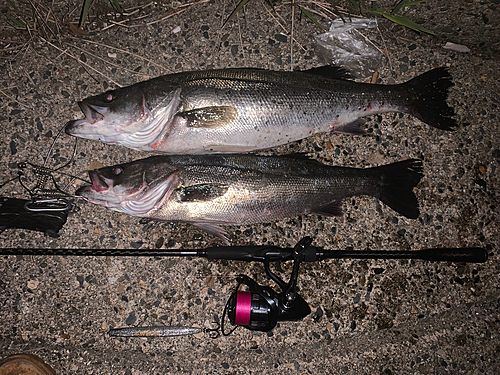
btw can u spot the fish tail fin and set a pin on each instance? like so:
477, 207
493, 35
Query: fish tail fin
428, 102
396, 186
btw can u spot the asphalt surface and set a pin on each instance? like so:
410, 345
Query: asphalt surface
368, 316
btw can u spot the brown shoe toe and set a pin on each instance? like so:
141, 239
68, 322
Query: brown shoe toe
25, 364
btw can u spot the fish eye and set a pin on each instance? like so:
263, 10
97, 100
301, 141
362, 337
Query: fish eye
117, 170
109, 96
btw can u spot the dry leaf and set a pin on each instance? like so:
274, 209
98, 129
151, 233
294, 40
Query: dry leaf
76, 30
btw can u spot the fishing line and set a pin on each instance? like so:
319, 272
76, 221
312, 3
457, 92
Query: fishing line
48, 207
43, 174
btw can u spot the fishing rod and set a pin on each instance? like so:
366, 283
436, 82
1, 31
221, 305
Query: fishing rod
261, 307
272, 253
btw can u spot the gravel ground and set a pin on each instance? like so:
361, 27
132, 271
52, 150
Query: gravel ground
369, 317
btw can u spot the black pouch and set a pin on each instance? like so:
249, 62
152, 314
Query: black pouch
46, 216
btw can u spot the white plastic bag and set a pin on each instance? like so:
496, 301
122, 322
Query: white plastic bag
343, 46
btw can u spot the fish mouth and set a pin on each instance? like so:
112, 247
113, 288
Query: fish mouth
98, 184
93, 114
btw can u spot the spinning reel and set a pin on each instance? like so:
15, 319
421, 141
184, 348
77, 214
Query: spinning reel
260, 308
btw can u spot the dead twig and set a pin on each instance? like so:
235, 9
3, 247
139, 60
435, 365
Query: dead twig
291, 34
81, 62
109, 62
14, 99
386, 52
284, 29
122, 23
187, 6
131, 10
239, 33
124, 51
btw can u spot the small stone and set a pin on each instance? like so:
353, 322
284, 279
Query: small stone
13, 148
131, 319
159, 242
33, 284
80, 280
280, 38
136, 245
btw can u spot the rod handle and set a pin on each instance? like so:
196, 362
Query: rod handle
248, 253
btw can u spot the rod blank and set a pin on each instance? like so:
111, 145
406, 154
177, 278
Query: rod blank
273, 253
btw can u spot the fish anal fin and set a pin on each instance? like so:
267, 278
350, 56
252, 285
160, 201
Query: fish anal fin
331, 209
209, 117
354, 127
201, 192
214, 230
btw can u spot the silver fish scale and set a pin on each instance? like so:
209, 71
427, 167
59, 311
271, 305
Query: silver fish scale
242, 110
213, 190
265, 120
260, 189
269, 112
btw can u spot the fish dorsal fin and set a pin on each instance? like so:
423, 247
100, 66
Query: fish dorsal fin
303, 156
330, 71
201, 192
209, 117
331, 209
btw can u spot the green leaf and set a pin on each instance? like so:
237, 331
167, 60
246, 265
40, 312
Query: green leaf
398, 6
406, 22
414, 3
374, 10
355, 5
116, 6
85, 12
236, 10
310, 16
17, 21
379, 11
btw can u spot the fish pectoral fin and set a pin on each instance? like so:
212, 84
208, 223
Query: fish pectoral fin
214, 230
332, 209
209, 117
201, 192
355, 127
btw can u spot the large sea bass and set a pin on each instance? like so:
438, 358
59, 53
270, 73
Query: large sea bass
241, 110
213, 190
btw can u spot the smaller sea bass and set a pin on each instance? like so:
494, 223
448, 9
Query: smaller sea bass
242, 110
214, 190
